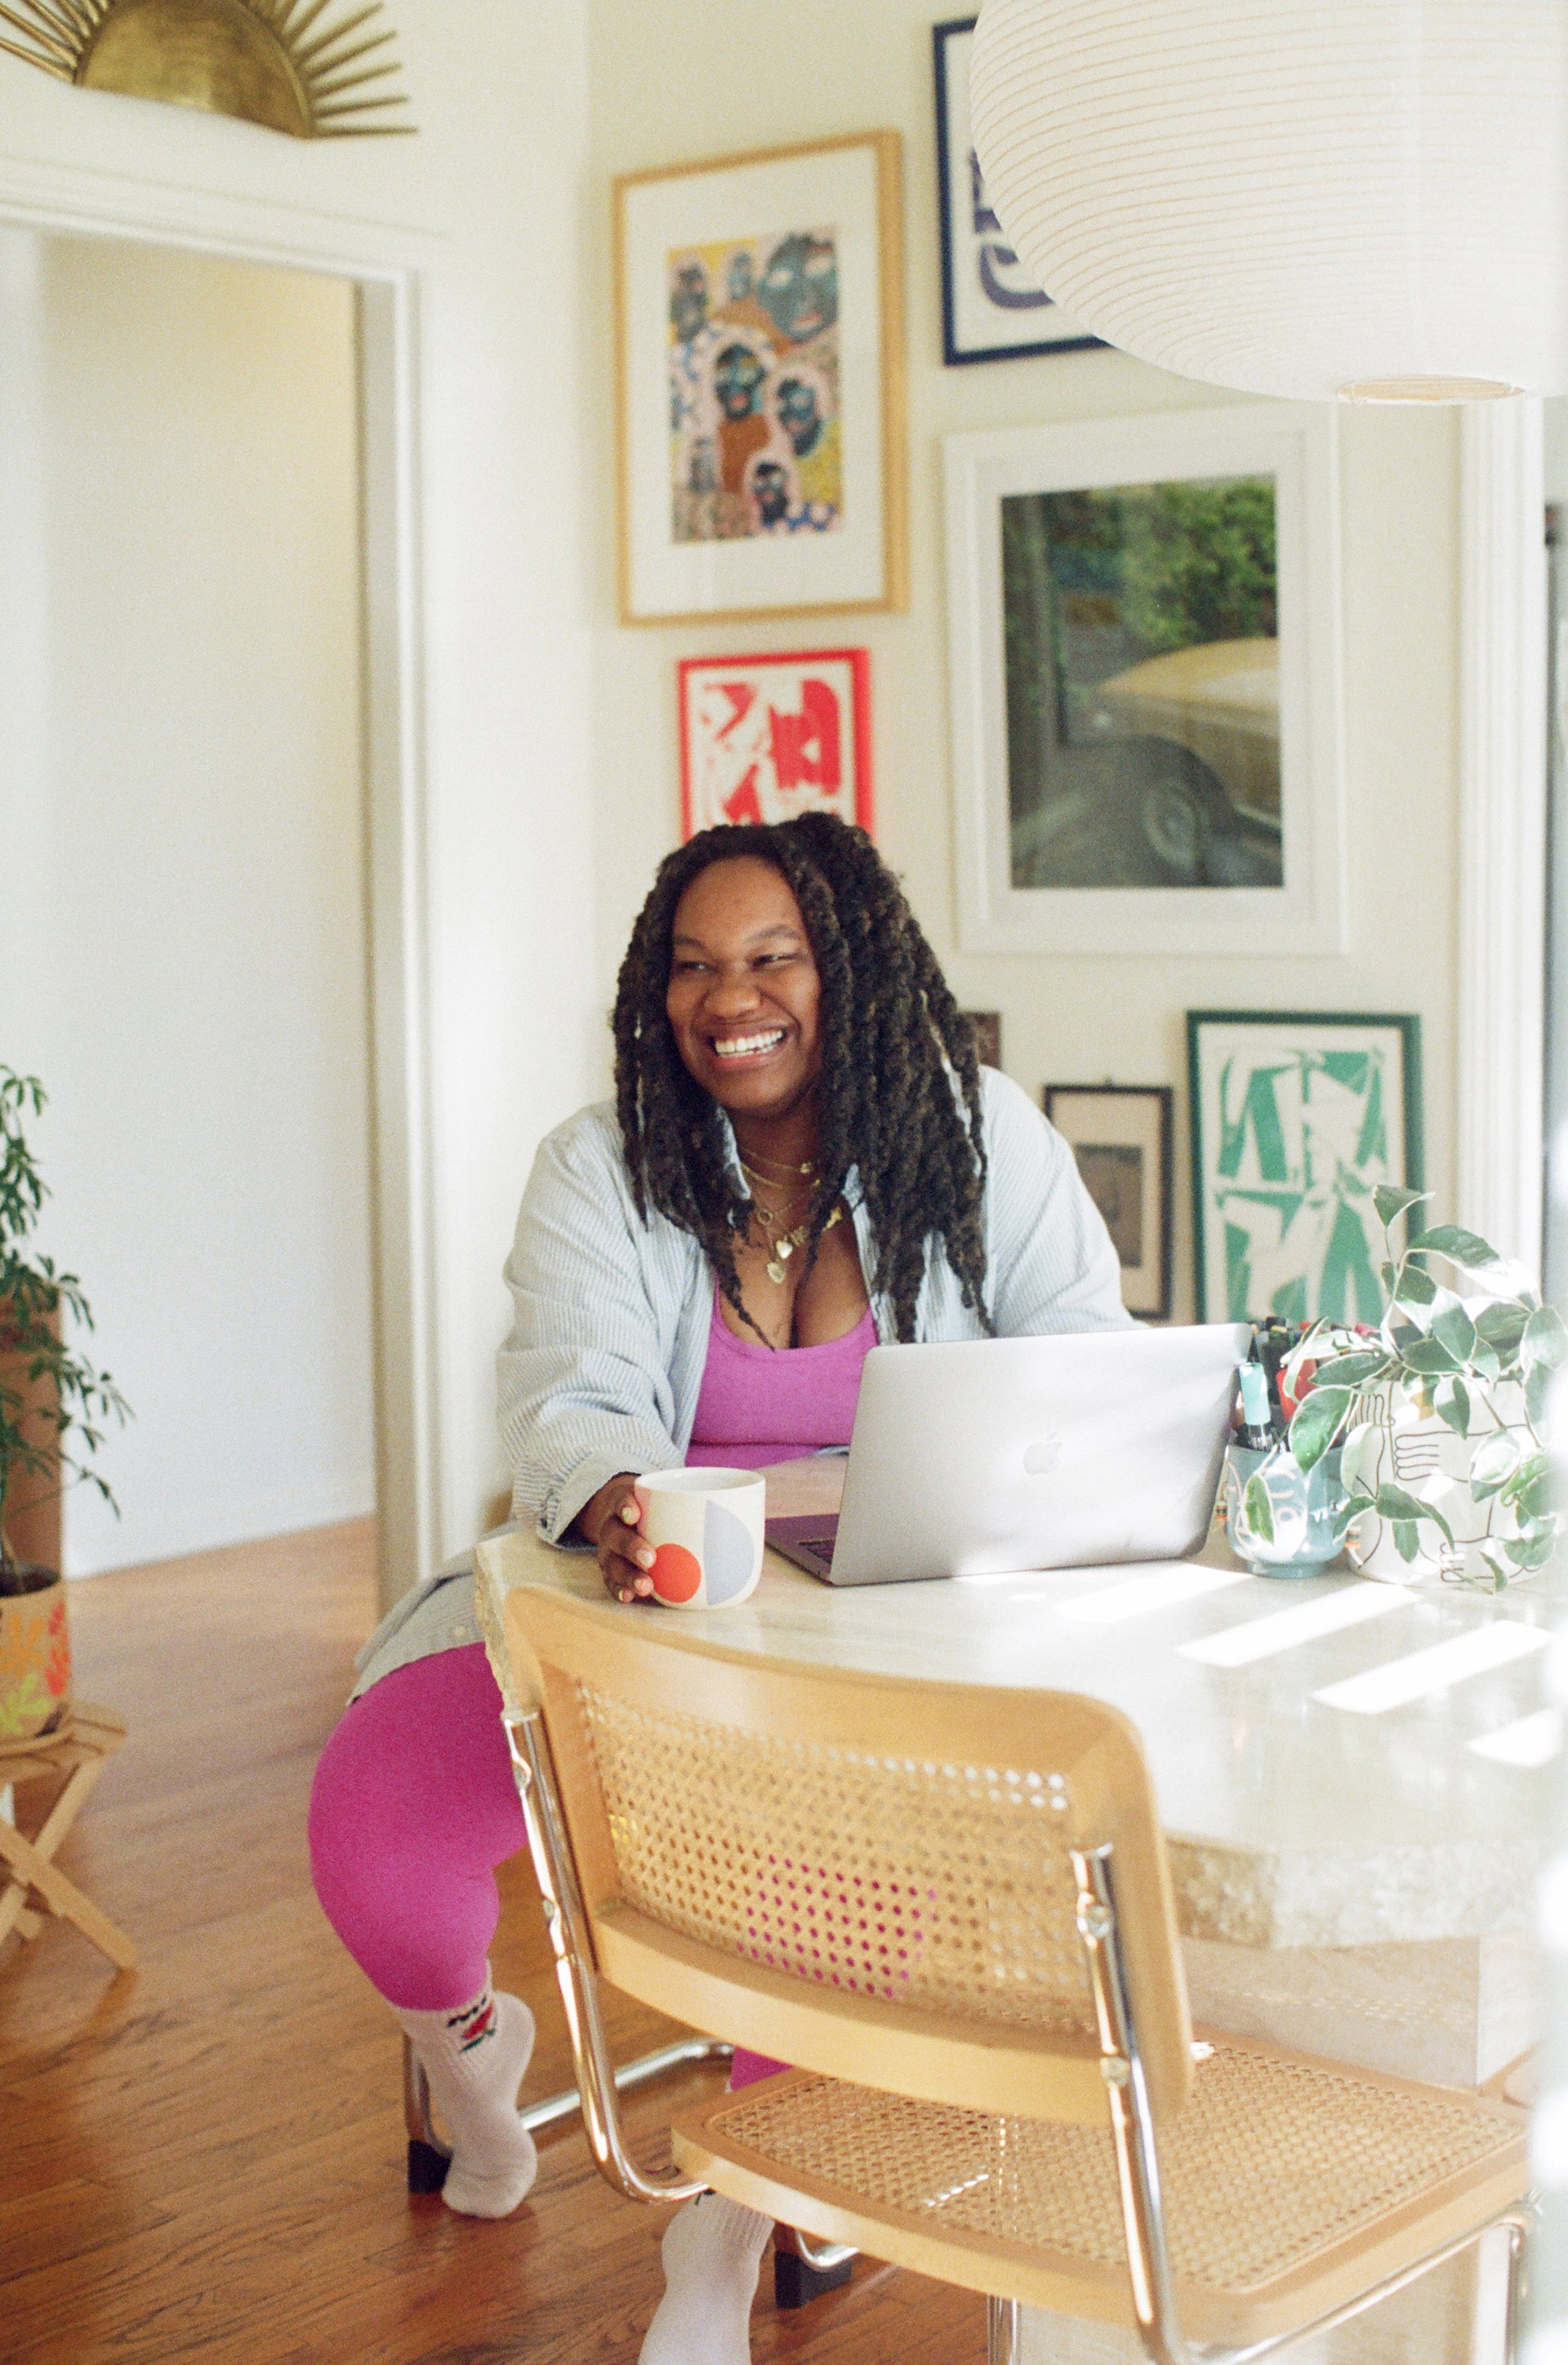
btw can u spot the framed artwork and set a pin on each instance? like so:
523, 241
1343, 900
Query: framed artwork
1296, 1116
1145, 653
759, 348
991, 311
987, 1025
1121, 1136
764, 738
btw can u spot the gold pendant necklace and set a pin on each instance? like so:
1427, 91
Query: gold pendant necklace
784, 1244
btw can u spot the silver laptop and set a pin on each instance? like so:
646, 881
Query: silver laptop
995, 1454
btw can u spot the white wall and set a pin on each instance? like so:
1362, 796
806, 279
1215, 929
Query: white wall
493, 184
186, 938
683, 79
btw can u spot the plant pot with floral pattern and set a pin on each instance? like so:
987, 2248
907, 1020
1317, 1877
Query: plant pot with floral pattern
35, 1654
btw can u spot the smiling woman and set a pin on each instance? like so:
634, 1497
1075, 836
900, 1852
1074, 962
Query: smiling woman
803, 1158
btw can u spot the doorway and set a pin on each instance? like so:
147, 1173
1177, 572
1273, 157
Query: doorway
195, 996
213, 927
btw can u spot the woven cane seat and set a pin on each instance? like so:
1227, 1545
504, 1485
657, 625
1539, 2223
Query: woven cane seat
1281, 2178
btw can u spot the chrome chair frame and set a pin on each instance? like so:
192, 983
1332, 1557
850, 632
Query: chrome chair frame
814, 2266
1120, 2066
1137, 2173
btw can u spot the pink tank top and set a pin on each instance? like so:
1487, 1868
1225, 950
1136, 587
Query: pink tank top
762, 1404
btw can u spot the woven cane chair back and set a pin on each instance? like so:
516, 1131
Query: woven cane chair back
866, 1875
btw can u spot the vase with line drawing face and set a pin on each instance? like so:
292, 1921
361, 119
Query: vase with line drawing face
1395, 1441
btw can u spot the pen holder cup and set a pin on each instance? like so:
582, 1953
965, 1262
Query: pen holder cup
1303, 1508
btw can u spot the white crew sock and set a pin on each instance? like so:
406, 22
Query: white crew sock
712, 2254
474, 2057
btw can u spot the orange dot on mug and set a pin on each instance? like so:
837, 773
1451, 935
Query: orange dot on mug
676, 1572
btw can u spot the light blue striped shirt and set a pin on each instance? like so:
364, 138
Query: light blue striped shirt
610, 1317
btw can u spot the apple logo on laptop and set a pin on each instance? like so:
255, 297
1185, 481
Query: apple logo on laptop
1041, 1458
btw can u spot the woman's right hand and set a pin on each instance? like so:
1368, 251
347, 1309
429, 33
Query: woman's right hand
611, 1522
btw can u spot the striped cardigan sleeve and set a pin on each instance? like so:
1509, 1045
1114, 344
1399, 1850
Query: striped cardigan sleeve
584, 1376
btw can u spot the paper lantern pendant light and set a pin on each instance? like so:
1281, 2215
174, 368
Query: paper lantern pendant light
1318, 197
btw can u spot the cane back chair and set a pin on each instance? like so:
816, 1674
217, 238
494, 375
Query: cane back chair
950, 1906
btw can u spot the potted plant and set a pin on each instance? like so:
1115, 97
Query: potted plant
49, 1394
1438, 1415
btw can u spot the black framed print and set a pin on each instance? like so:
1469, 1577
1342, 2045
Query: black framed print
1121, 1136
991, 311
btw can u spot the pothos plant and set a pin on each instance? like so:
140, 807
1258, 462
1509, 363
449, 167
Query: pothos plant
75, 1397
1481, 1368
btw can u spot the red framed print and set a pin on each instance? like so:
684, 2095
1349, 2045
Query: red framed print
764, 738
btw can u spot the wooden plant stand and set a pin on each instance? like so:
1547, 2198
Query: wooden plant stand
30, 1883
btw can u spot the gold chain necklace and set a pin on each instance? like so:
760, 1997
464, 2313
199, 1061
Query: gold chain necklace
782, 1245
780, 1166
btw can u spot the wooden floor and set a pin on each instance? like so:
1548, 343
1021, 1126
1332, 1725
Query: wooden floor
204, 2158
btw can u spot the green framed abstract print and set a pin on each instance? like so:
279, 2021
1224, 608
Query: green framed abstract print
1296, 1116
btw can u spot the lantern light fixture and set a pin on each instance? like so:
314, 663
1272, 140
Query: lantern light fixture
1363, 198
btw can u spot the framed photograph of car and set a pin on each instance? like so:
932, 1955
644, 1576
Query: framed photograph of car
1121, 1136
759, 352
1144, 638
991, 310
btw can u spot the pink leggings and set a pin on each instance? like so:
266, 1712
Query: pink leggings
413, 1808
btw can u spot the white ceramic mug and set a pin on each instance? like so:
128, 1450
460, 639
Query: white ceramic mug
705, 1527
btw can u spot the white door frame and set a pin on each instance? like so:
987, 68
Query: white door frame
1501, 969
387, 265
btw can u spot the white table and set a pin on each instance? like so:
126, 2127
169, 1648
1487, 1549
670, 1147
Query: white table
1351, 1776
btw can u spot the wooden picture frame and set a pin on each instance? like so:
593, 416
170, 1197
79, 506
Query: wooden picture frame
991, 309
764, 738
1295, 1117
987, 1025
1141, 765
1123, 1138
759, 339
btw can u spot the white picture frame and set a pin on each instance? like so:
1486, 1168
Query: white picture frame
1295, 445
695, 545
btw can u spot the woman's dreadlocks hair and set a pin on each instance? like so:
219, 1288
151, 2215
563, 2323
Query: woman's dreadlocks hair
899, 1097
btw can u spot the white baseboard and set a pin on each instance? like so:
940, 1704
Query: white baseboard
206, 1524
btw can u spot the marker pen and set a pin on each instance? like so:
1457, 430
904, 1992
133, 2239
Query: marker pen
1257, 1432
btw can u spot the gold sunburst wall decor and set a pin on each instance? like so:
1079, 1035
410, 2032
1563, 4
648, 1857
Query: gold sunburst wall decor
270, 62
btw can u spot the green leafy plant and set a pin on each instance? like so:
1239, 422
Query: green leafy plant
75, 1398
1485, 1367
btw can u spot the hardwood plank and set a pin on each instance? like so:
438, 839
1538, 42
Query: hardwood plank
205, 2158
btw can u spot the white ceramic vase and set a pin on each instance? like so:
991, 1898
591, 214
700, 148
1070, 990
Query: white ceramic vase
1408, 1448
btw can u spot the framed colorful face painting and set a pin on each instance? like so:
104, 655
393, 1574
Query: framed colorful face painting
991, 311
764, 738
1144, 628
1296, 1116
760, 345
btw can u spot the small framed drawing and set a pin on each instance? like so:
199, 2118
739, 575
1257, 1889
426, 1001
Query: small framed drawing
1296, 1116
759, 345
1144, 648
991, 311
1121, 1136
766, 738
